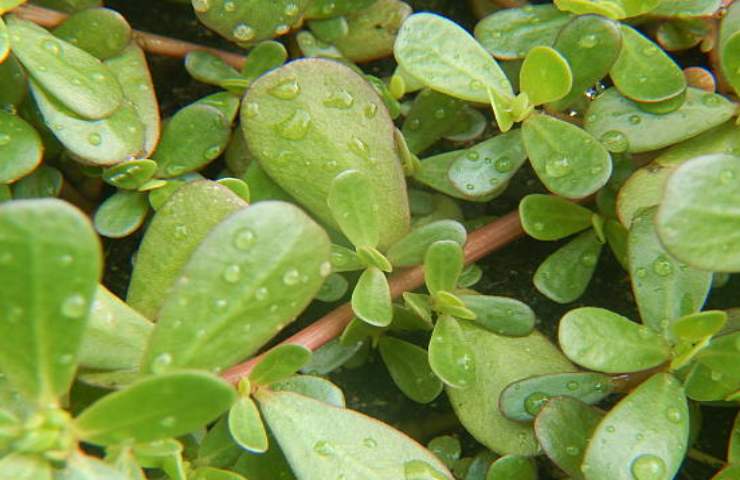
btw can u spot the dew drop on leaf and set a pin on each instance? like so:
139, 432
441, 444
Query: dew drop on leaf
634, 119
201, 6
74, 306
229, 6
615, 141
51, 46
648, 467
370, 110
232, 273
243, 32
168, 422
261, 293
534, 402
291, 277
472, 155
340, 99
161, 362
572, 450
295, 127
662, 266
587, 41
286, 89
710, 100
94, 139
503, 164
359, 147
572, 385
324, 448
252, 109
244, 239
4, 139
370, 442
558, 167
212, 152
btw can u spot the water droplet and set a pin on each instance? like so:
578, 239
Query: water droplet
641, 272
588, 41
572, 450
5, 139
588, 259
282, 29
74, 306
229, 6
475, 85
252, 109
296, 127
539, 226
324, 448
414, 124
340, 99
325, 269
261, 293
243, 32
232, 273
610, 429
286, 89
291, 9
726, 177
65, 359
370, 442
98, 77
328, 8
634, 119
572, 385
440, 113
94, 139
201, 6
534, 402
472, 155
469, 186
291, 277
615, 141
662, 266
370, 110
503, 164
710, 100
557, 168
181, 232
168, 422
161, 362
648, 467
673, 414
51, 46
359, 147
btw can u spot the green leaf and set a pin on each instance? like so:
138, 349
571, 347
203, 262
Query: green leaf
265, 56
500, 361
608, 8
510, 33
43, 182
20, 148
435, 170
643, 189
565, 274
280, 363
568, 160
696, 326
524, 400
410, 370
728, 473
121, 214
577, 42
487, 167
344, 259
334, 8
722, 139
352, 203
501, 315
371, 298
50, 265
604, 341
733, 448
729, 46
85, 467
563, 428
716, 363
314, 387
73, 77
447, 448
209, 68
303, 143
645, 435
432, 116
13, 82
248, 278
502, 109
686, 8
616, 237
545, 75
548, 217
101, 32
245, 425
448, 59
333, 289
514, 467
322, 441
217, 448
130, 175
410, 250
700, 201
156, 407
450, 357
612, 114
443, 264
681, 34
20, 466
171, 238
665, 289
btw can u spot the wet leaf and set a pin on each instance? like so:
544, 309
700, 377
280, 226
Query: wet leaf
447, 448
443, 264
13, 82
101, 32
439, 52
4, 41
50, 265
43, 182
568, 160
729, 45
686, 8
410, 370
696, 326
265, 56
432, 116
176, 404
643, 189
681, 34
644, 435
279, 363
352, 203
412, 248
545, 75
513, 467
434, 172
501, 315
722, 139
245, 426
371, 298
121, 214
611, 114
450, 356
604, 341
314, 387
20, 148
335, 8
25, 467
548, 217
700, 202
130, 175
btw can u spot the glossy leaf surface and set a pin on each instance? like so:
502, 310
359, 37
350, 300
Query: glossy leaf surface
410, 370
410, 250
566, 273
695, 326
501, 315
314, 387
20, 148
432, 116
548, 217
443, 264
729, 45
279, 363
371, 298
121, 214
245, 425
545, 75
352, 203
101, 32
514, 467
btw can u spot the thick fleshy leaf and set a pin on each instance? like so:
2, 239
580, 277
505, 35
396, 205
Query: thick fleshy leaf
448, 59
410, 370
101, 32
565, 274
43, 182
248, 278
121, 214
13, 82
410, 250
729, 46
733, 448
577, 42
209, 68
171, 238
545, 75
73, 77
279, 363
611, 114
323, 441
371, 298
501, 315
548, 217
25, 467
314, 387
265, 56
523, 400
435, 170
644, 436
665, 289
352, 202
696, 326
450, 357
335, 8
722, 139
563, 428
130, 175
500, 361
157, 407
447, 448
643, 189
715, 376
487, 167
245, 425
510, 33
443, 264
432, 116
20, 148
305, 132
210, 473
49, 265
700, 202
568, 160
513, 467
730, 472
604, 341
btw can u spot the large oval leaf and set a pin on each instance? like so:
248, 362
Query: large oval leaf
50, 262
644, 436
20, 148
161, 406
251, 276
323, 441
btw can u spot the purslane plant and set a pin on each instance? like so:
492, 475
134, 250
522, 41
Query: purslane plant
311, 174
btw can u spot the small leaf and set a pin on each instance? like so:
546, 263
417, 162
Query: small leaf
450, 358
314, 387
607, 342
545, 75
514, 467
443, 264
733, 448
447, 448
548, 217
265, 56
335, 286
410, 370
729, 45
501, 315
524, 400
25, 467
217, 447
352, 203
209, 68
643, 189
569, 161
410, 250
130, 175
644, 435
696, 326
700, 202
176, 404
20, 148
565, 274
13, 81
245, 425
280, 363
333, 8
715, 375
101, 32
434, 172
432, 116
44, 182
371, 299
443, 55
121, 214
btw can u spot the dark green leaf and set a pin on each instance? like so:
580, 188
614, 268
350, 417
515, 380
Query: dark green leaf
447, 448
265, 56
20, 148
545, 75
432, 116
410, 370
209, 68
43, 182
101, 32
410, 250
513, 467
13, 82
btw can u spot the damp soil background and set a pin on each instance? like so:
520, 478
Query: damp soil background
508, 272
